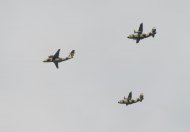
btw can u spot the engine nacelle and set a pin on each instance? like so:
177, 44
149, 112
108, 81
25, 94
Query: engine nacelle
136, 31
51, 56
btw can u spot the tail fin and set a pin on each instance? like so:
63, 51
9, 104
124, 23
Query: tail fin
141, 97
72, 53
153, 32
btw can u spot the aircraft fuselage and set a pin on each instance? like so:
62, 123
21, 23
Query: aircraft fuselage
139, 36
56, 59
128, 101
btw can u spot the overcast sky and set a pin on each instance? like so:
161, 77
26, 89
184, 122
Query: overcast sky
82, 95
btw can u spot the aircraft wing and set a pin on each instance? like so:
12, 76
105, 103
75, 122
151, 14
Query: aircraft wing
56, 64
140, 29
130, 96
56, 55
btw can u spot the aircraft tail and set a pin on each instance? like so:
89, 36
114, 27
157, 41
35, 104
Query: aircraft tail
141, 97
71, 55
153, 32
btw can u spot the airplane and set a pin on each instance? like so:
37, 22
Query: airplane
56, 59
138, 35
129, 100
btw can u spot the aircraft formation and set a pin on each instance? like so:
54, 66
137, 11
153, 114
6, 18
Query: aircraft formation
138, 35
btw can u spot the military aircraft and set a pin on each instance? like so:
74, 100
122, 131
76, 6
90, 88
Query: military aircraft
138, 35
129, 99
56, 59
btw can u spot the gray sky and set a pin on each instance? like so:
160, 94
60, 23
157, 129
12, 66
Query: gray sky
82, 95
